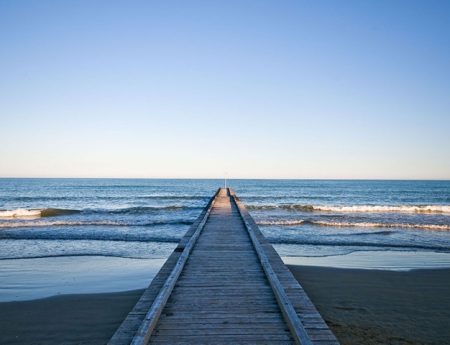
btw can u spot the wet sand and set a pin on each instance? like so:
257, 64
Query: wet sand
381, 307
361, 306
66, 319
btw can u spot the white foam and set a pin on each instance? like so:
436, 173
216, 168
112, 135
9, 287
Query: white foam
357, 208
356, 224
20, 213
384, 225
281, 222
384, 208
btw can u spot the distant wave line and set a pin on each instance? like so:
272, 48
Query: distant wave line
27, 224
162, 239
104, 197
140, 238
170, 197
88, 236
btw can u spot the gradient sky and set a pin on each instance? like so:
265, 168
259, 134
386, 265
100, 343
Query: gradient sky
257, 89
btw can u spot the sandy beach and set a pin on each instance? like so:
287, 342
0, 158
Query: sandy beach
66, 319
381, 307
361, 306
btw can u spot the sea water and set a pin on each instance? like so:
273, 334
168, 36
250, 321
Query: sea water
139, 219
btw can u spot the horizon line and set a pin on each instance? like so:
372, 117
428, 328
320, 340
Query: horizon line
228, 179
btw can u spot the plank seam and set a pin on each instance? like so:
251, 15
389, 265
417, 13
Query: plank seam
296, 327
147, 326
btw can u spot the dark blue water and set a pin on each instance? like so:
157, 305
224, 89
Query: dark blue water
146, 218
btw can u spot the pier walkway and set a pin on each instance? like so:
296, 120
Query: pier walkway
224, 284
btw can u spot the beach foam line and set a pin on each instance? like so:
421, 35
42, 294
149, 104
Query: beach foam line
354, 224
103, 197
358, 208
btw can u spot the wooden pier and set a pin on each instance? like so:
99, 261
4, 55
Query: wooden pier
224, 284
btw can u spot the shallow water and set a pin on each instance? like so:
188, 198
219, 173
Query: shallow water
26, 279
376, 260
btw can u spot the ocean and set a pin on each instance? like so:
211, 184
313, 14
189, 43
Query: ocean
60, 236
138, 218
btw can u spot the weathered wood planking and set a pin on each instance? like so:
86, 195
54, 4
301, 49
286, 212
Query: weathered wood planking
129, 327
223, 284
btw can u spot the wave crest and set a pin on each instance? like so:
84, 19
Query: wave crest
358, 208
52, 212
281, 222
33, 213
36, 224
355, 224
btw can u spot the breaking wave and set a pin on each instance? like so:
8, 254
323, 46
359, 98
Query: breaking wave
52, 212
27, 213
355, 224
358, 208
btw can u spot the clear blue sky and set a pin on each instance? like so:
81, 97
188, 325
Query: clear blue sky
264, 89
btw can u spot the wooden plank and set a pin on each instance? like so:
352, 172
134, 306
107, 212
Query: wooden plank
223, 328
300, 302
231, 287
145, 330
213, 331
126, 331
288, 311
211, 339
212, 268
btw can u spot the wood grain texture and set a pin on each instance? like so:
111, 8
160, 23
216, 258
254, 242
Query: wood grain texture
224, 284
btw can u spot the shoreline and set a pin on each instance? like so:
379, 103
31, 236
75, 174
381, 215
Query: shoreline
34, 278
385, 260
38, 278
360, 306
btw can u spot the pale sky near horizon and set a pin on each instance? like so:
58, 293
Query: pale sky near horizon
257, 89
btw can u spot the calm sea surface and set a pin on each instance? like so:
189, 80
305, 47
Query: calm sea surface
146, 218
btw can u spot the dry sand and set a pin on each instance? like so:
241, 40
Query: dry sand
361, 306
